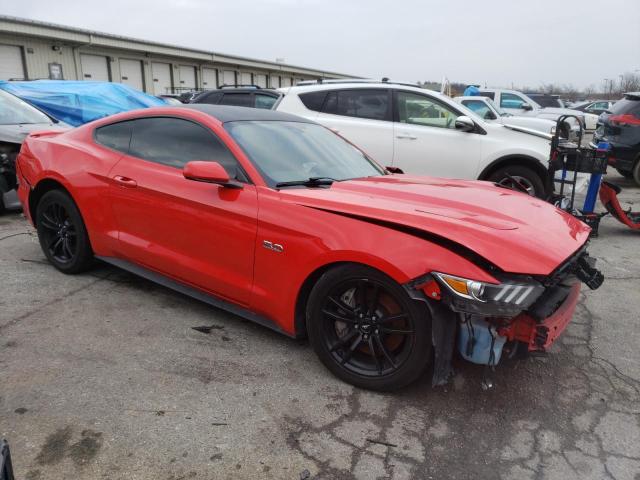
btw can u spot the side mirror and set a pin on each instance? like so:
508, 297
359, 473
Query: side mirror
393, 169
209, 172
465, 124
489, 115
526, 106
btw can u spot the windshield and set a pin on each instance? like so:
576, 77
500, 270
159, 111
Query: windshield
14, 111
295, 151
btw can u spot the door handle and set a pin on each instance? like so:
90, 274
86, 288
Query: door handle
125, 182
407, 136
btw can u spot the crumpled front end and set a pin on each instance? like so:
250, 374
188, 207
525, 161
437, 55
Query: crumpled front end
519, 314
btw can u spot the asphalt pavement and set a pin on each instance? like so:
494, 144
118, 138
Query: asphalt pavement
103, 376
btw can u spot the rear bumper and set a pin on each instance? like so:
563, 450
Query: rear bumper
539, 336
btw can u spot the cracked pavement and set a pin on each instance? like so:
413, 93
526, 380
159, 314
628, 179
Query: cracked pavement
102, 376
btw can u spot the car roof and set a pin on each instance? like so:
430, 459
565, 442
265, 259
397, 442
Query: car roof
227, 113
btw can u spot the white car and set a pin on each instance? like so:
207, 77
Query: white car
424, 132
517, 103
489, 111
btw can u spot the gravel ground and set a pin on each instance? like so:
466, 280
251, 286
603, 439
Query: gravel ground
102, 376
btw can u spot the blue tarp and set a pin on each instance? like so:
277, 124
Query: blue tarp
78, 102
471, 91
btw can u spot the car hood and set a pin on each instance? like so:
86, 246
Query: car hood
513, 231
16, 133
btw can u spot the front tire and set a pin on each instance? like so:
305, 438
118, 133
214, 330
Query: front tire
62, 233
636, 172
524, 176
366, 329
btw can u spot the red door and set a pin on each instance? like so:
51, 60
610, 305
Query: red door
199, 233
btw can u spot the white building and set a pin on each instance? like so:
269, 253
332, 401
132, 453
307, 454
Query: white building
32, 50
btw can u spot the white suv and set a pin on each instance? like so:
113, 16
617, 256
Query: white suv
423, 132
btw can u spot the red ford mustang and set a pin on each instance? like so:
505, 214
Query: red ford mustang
281, 221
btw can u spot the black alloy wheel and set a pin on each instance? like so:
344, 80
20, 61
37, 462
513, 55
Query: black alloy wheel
62, 233
367, 330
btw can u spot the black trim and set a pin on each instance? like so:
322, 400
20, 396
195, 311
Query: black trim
193, 293
240, 169
447, 243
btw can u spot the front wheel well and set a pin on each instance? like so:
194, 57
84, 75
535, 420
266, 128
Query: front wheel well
524, 161
300, 320
40, 189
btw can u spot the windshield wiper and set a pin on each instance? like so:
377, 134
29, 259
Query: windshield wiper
309, 182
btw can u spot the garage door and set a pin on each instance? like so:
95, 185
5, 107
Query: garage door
209, 78
94, 67
187, 77
274, 81
131, 73
286, 81
228, 77
260, 80
11, 64
161, 73
245, 78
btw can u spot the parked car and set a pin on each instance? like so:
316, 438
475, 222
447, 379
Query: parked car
374, 267
621, 128
596, 107
245, 96
423, 132
518, 103
17, 120
489, 111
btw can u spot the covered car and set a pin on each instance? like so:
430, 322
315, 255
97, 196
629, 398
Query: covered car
80, 102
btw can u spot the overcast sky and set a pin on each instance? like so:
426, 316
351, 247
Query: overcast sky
488, 41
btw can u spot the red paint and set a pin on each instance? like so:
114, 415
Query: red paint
624, 120
540, 336
211, 237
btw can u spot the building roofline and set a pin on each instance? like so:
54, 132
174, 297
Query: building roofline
92, 33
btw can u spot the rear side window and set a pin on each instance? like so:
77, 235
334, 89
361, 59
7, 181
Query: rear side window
116, 136
174, 142
210, 98
314, 100
370, 104
237, 99
490, 95
265, 101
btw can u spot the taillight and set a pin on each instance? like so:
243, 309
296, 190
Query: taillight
624, 120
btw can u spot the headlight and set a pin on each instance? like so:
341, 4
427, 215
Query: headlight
507, 298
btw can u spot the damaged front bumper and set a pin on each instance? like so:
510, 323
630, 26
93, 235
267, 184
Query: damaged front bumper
483, 326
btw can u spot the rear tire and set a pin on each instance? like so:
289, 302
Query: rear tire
62, 233
366, 329
636, 172
625, 173
525, 177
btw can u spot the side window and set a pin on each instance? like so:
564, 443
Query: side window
211, 98
509, 100
480, 108
237, 99
372, 104
313, 100
174, 142
265, 101
419, 109
490, 95
116, 136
